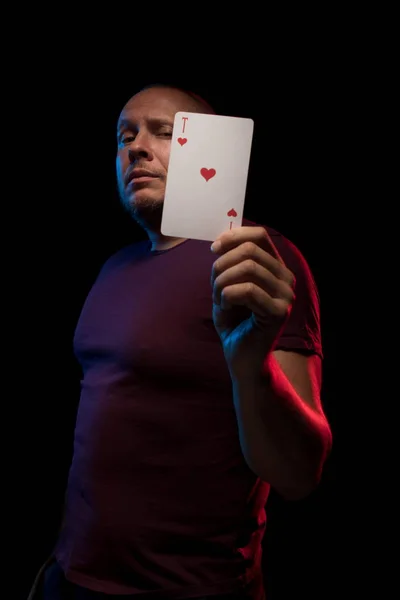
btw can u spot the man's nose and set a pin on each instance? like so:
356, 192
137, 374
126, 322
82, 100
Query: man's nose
139, 149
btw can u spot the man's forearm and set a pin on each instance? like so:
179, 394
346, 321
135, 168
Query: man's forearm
284, 441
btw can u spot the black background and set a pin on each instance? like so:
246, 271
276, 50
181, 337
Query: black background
69, 221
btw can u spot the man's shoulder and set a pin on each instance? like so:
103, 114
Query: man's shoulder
285, 246
271, 231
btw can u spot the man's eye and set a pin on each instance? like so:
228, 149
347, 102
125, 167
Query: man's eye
127, 139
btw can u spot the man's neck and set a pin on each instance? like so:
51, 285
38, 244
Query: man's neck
161, 242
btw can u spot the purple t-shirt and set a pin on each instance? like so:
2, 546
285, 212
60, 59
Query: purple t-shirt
160, 501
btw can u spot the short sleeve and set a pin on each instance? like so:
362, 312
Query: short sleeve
302, 331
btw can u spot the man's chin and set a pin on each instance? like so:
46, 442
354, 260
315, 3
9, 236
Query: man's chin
146, 210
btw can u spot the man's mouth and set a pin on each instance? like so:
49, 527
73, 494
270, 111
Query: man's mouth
140, 176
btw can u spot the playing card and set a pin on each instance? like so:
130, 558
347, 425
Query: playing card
207, 175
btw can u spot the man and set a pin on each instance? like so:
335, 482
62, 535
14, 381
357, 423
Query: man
200, 390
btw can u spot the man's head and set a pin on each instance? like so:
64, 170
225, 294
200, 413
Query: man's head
144, 132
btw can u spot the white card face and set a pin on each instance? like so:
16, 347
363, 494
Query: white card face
207, 175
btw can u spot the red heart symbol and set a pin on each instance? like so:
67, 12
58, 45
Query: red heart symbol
182, 141
232, 213
207, 173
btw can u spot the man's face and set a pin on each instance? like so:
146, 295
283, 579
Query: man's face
144, 142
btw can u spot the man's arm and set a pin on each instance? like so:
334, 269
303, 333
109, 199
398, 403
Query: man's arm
284, 434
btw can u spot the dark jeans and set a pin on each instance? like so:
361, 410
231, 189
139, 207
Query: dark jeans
52, 585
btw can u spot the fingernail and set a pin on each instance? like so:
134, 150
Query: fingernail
216, 246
